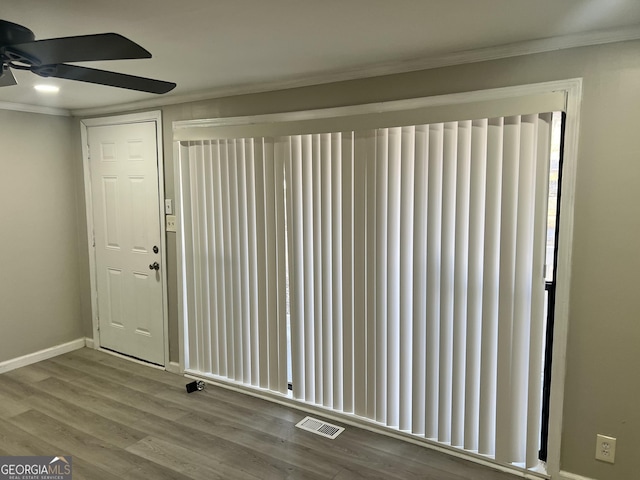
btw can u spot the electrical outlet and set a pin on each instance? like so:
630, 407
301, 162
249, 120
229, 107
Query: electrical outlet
171, 223
605, 448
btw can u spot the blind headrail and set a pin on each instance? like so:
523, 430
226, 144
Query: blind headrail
500, 102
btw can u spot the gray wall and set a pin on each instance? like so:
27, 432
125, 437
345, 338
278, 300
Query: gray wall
39, 275
602, 384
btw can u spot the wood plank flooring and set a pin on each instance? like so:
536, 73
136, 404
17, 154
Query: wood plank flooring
122, 420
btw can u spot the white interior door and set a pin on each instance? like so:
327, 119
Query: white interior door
126, 217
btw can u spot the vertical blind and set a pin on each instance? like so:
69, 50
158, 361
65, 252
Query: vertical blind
408, 262
234, 261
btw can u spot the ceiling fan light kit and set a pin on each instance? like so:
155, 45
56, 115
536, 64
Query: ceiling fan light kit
50, 57
46, 88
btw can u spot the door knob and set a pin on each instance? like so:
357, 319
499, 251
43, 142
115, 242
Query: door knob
154, 266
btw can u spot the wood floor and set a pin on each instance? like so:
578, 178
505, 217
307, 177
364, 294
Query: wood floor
122, 420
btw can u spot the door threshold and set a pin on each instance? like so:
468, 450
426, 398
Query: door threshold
131, 358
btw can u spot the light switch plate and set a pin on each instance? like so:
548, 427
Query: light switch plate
168, 207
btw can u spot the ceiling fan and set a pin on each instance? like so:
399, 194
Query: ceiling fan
48, 58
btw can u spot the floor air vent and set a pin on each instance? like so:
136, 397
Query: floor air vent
319, 427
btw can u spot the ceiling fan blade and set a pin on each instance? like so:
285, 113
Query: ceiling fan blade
83, 48
103, 77
7, 79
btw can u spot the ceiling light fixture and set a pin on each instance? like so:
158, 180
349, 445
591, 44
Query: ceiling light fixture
47, 88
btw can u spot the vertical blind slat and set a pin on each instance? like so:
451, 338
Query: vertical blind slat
361, 278
269, 210
371, 270
225, 213
195, 274
255, 198
308, 271
238, 314
419, 318
475, 283
282, 281
245, 306
522, 288
336, 271
447, 252
348, 311
382, 189
434, 238
393, 214
210, 261
293, 164
405, 337
490, 290
316, 269
189, 262
461, 284
200, 246
221, 338
325, 289
508, 226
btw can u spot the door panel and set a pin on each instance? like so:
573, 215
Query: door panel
110, 192
126, 208
113, 303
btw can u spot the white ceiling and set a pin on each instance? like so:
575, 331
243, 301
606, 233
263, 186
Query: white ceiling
216, 46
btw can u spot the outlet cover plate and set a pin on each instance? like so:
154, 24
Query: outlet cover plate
605, 448
171, 223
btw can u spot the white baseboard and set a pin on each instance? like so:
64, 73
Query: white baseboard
173, 367
88, 342
572, 476
35, 357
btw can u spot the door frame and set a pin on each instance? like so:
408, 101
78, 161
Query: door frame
152, 116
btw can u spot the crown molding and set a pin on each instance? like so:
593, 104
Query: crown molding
599, 37
21, 107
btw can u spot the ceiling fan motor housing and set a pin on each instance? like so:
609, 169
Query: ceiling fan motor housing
10, 34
